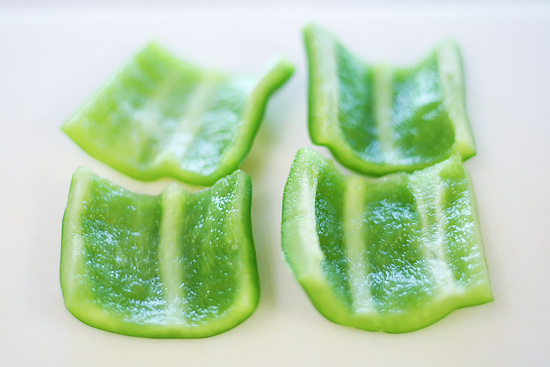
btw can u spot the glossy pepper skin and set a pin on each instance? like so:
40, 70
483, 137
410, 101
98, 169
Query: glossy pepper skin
393, 254
176, 265
161, 117
378, 119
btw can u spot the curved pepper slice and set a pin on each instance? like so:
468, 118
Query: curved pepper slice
393, 254
177, 265
377, 119
161, 117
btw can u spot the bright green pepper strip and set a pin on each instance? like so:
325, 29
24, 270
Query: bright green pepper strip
177, 265
376, 119
163, 117
393, 254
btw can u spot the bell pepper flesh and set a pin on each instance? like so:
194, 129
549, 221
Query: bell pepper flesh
378, 119
393, 254
177, 265
161, 116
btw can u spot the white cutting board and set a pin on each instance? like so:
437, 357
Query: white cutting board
51, 62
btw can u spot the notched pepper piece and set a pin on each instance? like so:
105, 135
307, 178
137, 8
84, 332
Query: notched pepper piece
378, 119
161, 116
393, 254
177, 265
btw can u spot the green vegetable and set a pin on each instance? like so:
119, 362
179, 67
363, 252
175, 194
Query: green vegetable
177, 265
377, 119
394, 254
163, 117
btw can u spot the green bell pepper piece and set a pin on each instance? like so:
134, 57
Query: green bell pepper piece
378, 119
394, 254
161, 116
177, 265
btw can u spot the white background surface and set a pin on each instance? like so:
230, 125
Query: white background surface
51, 62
